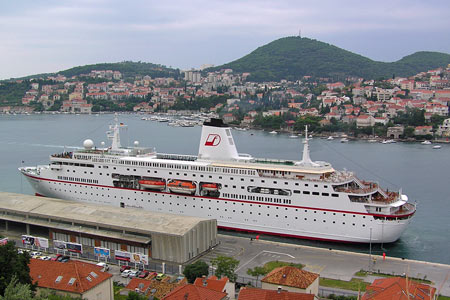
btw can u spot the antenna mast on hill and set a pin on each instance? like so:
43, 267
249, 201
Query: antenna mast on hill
300, 33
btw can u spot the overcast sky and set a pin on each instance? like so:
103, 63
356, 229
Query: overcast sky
49, 36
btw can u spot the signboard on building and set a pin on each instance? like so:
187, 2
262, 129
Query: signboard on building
102, 252
28, 240
139, 258
74, 247
41, 242
122, 255
59, 244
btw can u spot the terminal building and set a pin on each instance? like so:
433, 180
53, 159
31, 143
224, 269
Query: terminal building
158, 236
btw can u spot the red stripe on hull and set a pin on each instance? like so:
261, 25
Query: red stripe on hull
39, 195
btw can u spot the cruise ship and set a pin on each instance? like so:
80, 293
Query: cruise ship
302, 199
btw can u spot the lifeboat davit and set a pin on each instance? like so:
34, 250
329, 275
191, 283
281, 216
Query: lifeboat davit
152, 184
211, 187
184, 187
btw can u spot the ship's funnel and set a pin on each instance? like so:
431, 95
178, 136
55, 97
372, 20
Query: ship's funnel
216, 142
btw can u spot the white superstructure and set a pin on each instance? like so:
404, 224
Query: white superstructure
305, 199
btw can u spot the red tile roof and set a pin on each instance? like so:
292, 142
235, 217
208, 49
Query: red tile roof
73, 276
291, 276
395, 289
193, 292
261, 294
138, 283
212, 283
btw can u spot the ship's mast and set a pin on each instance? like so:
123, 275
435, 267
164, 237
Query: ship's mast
114, 134
306, 159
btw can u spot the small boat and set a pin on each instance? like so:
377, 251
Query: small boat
330, 138
152, 184
437, 147
211, 187
388, 141
426, 142
344, 140
183, 187
293, 136
273, 132
372, 141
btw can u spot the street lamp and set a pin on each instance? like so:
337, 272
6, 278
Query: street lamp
370, 250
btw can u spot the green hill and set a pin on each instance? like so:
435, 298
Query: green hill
127, 68
294, 57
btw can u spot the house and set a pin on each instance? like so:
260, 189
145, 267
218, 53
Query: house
398, 288
220, 285
365, 121
227, 118
336, 85
75, 278
193, 292
423, 130
292, 279
248, 293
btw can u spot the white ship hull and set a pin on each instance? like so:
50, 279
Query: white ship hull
298, 221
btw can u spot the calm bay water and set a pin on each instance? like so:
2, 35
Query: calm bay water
422, 172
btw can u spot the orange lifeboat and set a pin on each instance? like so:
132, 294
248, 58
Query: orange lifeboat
184, 187
210, 187
152, 184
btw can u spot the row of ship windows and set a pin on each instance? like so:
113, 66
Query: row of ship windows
193, 168
86, 180
194, 175
265, 199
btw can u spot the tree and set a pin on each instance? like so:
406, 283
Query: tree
196, 270
257, 271
225, 266
17, 291
14, 264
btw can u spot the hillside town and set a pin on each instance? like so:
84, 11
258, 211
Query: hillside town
413, 107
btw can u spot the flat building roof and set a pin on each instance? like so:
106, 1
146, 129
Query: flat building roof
134, 220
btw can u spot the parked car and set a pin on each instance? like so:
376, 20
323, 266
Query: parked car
144, 274
55, 258
45, 257
126, 273
160, 276
124, 267
103, 265
133, 273
64, 258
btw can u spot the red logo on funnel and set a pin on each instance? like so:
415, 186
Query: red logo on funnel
212, 140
